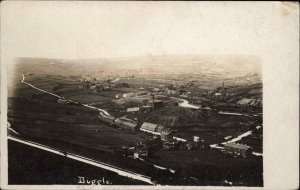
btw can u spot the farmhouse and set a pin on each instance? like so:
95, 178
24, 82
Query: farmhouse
150, 128
238, 149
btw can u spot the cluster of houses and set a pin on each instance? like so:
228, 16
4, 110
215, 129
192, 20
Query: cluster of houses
169, 139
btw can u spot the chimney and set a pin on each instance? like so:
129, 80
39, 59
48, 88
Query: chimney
153, 106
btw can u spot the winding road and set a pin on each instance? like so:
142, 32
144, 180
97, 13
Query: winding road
85, 105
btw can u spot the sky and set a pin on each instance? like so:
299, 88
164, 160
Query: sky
76, 30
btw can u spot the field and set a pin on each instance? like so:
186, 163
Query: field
212, 166
47, 168
66, 125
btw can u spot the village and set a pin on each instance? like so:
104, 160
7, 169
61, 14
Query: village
153, 125
162, 136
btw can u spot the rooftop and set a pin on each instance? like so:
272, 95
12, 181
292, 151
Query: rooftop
148, 126
236, 145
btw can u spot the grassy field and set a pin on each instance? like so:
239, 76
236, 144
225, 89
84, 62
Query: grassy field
212, 165
67, 123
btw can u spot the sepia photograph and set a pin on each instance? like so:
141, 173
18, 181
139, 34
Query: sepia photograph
135, 93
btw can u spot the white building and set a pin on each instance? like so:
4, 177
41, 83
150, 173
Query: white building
196, 139
128, 95
135, 109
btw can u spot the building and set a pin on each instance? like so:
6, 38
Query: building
143, 153
238, 149
128, 95
126, 124
179, 139
160, 128
135, 109
228, 137
196, 139
62, 101
140, 150
165, 135
145, 109
171, 92
168, 145
106, 118
135, 155
118, 96
156, 104
149, 127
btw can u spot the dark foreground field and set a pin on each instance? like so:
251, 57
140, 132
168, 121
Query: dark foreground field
28, 165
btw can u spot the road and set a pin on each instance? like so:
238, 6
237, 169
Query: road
85, 105
22, 81
186, 104
119, 171
236, 139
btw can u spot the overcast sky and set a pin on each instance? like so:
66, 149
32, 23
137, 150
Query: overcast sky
121, 29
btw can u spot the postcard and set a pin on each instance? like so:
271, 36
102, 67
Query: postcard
149, 95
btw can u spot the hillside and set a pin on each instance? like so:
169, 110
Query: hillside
174, 116
176, 64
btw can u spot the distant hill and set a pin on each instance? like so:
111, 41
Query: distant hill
233, 65
178, 64
210, 71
